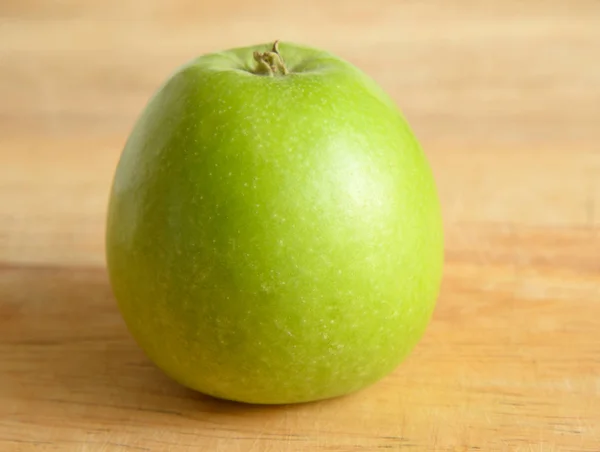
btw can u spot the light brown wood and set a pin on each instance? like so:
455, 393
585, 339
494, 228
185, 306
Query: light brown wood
505, 97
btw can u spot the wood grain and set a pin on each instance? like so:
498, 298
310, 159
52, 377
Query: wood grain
505, 97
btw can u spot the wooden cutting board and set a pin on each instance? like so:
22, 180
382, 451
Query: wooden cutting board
505, 97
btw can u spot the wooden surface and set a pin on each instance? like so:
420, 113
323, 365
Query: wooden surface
505, 97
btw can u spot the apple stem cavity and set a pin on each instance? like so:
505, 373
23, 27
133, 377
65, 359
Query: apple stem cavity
270, 63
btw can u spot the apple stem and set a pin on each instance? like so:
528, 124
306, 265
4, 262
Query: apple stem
270, 63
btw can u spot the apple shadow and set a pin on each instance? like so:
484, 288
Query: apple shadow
69, 353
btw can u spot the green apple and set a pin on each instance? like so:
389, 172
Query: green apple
274, 232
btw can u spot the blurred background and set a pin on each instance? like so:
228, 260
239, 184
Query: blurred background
504, 97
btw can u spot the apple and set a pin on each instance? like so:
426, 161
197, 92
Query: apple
274, 232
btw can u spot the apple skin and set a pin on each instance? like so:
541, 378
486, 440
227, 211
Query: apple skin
274, 239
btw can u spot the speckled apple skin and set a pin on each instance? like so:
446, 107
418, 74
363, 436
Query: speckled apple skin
274, 239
